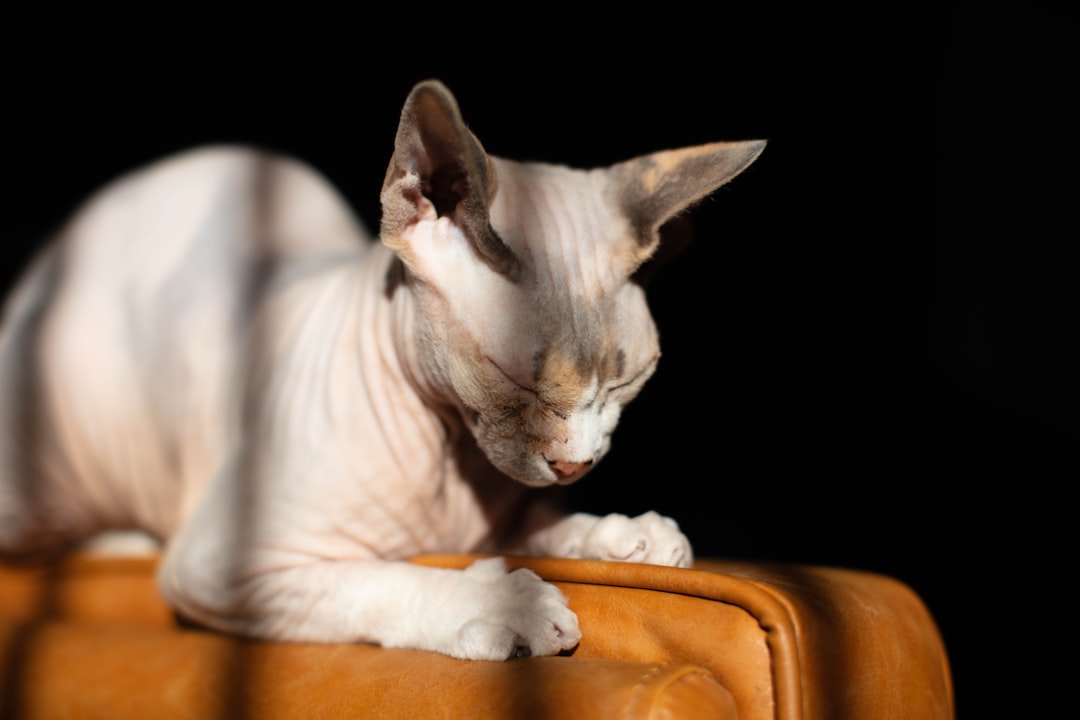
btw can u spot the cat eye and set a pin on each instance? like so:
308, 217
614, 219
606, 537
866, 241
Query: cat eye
640, 376
553, 409
631, 386
509, 379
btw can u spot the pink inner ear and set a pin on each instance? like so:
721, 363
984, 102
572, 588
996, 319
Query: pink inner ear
425, 210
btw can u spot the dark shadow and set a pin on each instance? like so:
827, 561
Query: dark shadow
257, 277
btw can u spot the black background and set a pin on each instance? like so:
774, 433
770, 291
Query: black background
867, 356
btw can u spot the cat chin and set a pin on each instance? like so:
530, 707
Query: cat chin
538, 483
540, 476
520, 464
535, 478
548, 483
525, 466
534, 474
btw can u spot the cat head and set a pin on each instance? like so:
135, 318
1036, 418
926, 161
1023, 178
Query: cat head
535, 326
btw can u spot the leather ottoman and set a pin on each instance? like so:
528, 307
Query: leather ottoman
89, 637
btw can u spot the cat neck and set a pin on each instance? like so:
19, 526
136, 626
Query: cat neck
400, 329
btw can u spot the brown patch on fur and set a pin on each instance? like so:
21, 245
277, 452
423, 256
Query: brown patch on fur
655, 188
562, 381
656, 171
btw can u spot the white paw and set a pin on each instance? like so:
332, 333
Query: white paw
648, 538
514, 615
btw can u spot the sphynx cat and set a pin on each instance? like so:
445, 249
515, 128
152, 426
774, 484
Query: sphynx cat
216, 352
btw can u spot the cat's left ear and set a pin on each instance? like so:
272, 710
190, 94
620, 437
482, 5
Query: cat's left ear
439, 169
654, 189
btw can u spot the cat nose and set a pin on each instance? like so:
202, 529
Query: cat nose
565, 469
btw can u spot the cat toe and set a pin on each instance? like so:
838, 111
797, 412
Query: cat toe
647, 538
518, 615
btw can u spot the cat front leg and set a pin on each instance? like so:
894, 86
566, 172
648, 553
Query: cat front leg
647, 538
481, 613
278, 562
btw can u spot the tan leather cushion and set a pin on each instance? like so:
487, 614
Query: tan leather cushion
91, 637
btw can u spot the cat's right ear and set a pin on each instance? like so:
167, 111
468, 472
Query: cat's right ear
656, 189
439, 169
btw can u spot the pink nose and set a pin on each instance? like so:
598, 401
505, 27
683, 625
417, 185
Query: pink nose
565, 469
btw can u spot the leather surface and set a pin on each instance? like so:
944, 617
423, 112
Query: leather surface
90, 637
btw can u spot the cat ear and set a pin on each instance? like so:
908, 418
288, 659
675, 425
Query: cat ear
440, 169
654, 189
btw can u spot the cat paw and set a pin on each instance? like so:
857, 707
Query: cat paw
517, 614
648, 538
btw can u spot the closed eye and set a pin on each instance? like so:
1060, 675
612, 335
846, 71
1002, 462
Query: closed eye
641, 376
511, 380
630, 387
548, 406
